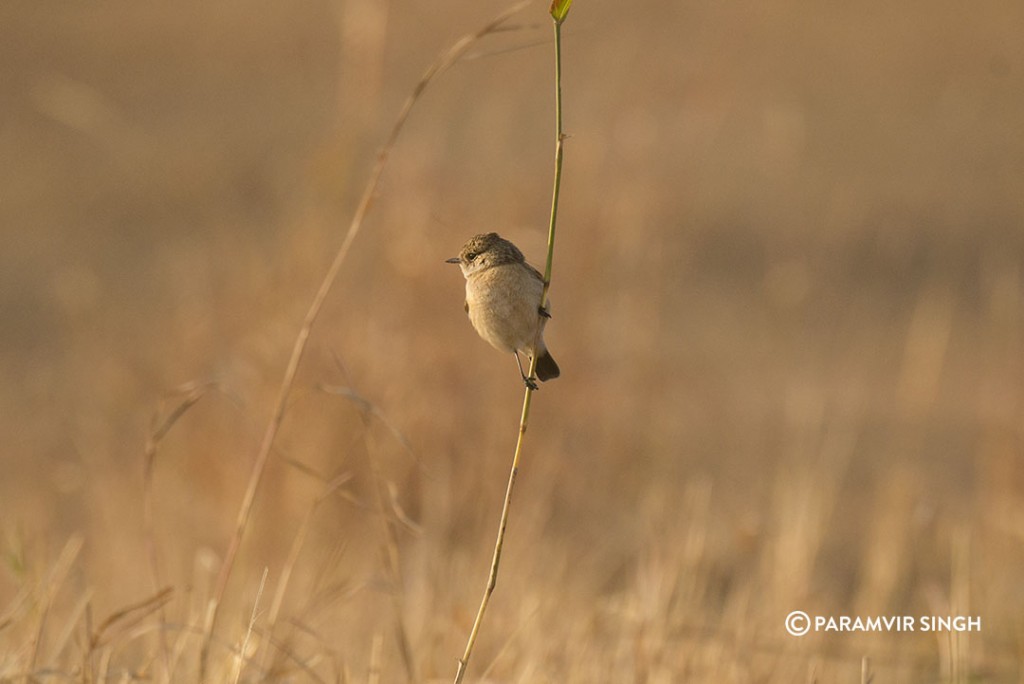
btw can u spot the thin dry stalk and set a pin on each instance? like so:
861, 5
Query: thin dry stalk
130, 616
447, 59
293, 554
394, 568
56, 578
306, 665
485, 675
959, 599
72, 622
240, 659
87, 650
369, 408
492, 577
191, 393
376, 648
393, 564
865, 671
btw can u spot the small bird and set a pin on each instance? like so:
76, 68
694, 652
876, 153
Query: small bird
503, 301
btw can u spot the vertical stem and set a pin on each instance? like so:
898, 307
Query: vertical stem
492, 578
559, 138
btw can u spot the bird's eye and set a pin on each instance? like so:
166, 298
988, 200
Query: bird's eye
471, 256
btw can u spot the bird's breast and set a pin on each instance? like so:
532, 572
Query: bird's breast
502, 303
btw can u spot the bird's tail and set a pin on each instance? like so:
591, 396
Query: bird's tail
546, 367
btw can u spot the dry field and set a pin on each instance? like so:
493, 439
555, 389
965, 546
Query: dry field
788, 306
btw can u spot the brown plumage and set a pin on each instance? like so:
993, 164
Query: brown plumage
502, 299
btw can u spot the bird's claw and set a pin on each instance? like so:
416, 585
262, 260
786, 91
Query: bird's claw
530, 384
544, 313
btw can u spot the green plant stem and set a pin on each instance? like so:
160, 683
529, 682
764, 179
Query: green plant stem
559, 139
492, 578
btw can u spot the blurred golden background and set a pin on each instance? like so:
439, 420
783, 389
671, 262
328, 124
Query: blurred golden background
788, 306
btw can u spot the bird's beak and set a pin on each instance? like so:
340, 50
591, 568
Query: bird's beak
453, 260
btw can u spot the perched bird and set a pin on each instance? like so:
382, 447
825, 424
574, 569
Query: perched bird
503, 301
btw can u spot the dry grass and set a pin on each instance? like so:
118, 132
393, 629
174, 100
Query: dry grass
789, 311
